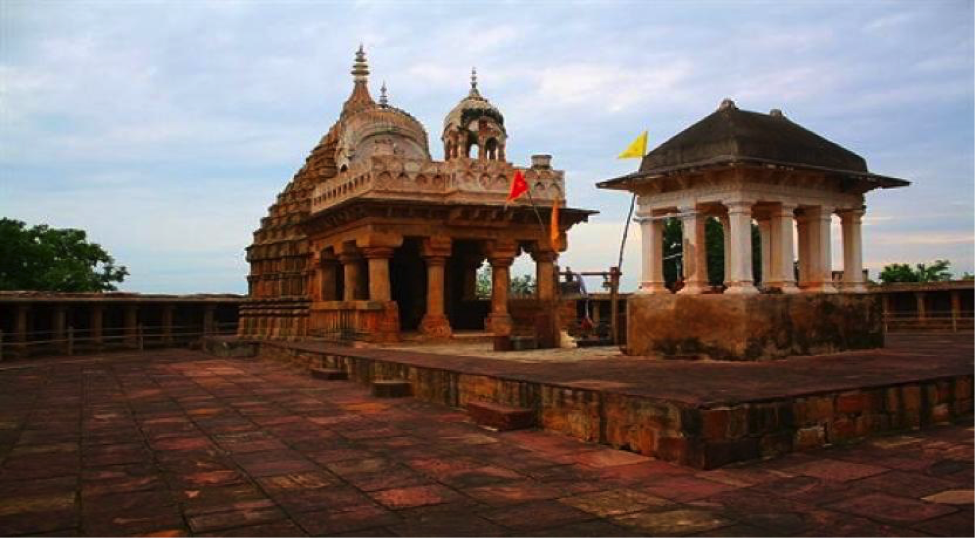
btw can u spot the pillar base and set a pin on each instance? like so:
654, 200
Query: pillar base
741, 289
694, 288
435, 326
653, 287
858, 287
820, 288
784, 287
499, 324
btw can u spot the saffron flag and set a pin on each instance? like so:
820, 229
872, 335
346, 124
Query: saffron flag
637, 149
518, 187
553, 228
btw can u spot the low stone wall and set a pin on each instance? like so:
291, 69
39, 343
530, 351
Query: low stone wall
752, 327
701, 436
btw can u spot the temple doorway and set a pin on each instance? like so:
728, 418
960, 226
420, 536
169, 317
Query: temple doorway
408, 280
465, 310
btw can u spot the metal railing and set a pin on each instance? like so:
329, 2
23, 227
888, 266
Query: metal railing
73, 341
939, 321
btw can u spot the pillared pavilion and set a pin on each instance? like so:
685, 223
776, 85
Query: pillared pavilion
373, 237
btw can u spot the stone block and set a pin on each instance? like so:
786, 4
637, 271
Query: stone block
501, 417
810, 437
851, 402
963, 388
328, 374
814, 410
391, 388
911, 397
751, 327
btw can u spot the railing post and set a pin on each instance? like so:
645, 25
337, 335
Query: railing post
70, 340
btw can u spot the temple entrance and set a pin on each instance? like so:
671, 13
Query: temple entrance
408, 280
464, 309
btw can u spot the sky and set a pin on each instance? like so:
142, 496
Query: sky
166, 129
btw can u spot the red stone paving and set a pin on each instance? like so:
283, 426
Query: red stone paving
173, 443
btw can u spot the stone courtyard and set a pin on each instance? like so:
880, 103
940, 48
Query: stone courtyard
172, 443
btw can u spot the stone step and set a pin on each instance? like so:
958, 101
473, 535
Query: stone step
328, 374
391, 388
501, 417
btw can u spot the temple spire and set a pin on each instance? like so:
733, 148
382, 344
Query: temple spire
383, 102
474, 92
360, 98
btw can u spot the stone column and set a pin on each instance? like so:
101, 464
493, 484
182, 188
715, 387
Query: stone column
802, 232
955, 309
820, 250
852, 251
59, 326
378, 260
740, 220
96, 323
765, 235
209, 323
130, 327
501, 254
544, 274
652, 234
782, 268
350, 265
922, 307
167, 323
694, 252
726, 235
329, 274
435, 252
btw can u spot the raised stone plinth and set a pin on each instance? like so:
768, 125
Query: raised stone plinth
751, 327
501, 417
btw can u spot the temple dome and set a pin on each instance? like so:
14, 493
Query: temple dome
474, 122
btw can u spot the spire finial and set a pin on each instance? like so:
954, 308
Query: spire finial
360, 69
383, 102
474, 78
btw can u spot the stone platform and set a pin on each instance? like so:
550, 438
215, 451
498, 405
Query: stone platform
702, 414
752, 327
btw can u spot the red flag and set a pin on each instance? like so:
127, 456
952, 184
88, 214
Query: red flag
518, 187
554, 235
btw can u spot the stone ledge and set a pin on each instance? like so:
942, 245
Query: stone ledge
328, 374
501, 417
391, 388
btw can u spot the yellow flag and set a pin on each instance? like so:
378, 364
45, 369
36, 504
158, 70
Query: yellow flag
637, 149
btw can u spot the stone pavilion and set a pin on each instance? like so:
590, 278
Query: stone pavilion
373, 237
742, 167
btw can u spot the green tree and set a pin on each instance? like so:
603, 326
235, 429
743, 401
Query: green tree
902, 272
41, 258
714, 237
519, 285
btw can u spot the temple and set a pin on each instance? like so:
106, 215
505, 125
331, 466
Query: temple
742, 167
374, 238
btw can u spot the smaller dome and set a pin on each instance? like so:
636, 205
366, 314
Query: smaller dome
471, 108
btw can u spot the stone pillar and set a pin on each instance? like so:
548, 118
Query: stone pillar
694, 252
782, 268
130, 326
501, 254
802, 232
955, 309
167, 323
351, 266
435, 252
59, 326
378, 260
922, 307
765, 235
544, 274
740, 220
726, 235
329, 274
652, 234
96, 323
820, 250
209, 321
853, 251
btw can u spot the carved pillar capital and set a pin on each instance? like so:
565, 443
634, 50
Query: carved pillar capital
436, 246
372, 253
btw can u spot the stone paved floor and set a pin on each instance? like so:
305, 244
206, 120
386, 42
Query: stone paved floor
176, 443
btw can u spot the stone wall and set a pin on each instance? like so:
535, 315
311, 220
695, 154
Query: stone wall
751, 327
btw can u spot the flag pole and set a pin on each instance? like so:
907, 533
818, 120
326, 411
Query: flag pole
541, 225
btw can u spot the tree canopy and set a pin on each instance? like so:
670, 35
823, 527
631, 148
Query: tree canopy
41, 258
937, 271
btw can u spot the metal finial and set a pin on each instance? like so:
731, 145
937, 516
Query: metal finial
474, 78
383, 102
360, 69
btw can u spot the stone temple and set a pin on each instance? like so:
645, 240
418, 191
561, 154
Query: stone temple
742, 167
374, 238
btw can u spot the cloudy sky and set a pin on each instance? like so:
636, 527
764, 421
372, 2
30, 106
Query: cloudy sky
166, 129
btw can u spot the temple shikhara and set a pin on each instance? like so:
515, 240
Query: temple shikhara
374, 238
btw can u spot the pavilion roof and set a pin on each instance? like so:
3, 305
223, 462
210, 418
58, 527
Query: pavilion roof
731, 136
